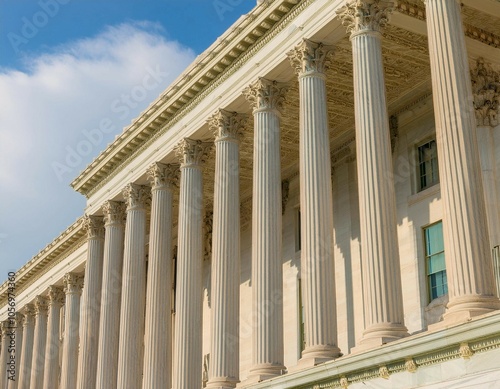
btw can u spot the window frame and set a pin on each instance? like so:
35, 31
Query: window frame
419, 163
430, 298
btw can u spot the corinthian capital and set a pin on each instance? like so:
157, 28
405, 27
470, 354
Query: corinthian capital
94, 226
310, 57
29, 314
227, 125
136, 196
365, 15
114, 212
56, 295
73, 283
266, 94
163, 175
192, 151
41, 305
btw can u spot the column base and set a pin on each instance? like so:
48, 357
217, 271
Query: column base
222, 383
464, 309
316, 355
380, 334
264, 372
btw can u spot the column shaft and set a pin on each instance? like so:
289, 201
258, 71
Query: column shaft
39, 343
27, 347
4, 354
51, 367
224, 351
310, 60
73, 284
131, 343
91, 303
107, 355
158, 336
187, 366
467, 252
382, 291
14, 384
267, 272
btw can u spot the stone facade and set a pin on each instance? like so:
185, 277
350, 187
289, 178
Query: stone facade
314, 204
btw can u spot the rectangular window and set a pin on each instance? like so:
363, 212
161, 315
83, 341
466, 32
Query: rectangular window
302, 331
428, 171
297, 231
434, 258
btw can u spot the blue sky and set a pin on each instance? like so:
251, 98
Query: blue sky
73, 68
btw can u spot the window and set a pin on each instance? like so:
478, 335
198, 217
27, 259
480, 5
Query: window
297, 231
434, 258
428, 171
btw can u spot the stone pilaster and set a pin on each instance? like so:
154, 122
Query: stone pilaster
267, 98
468, 258
27, 347
4, 354
18, 324
187, 367
310, 60
382, 291
158, 336
39, 342
91, 303
73, 284
107, 356
52, 349
131, 343
225, 290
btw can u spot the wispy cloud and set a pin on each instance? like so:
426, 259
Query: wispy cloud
50, 107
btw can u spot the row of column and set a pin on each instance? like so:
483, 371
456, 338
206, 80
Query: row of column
116, 262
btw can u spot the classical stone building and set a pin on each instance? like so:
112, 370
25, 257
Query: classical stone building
313, 203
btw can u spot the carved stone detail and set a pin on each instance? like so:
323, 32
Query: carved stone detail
73, 283
465, 351
192, 151
227, 125
136, 196
486, 92
41, 305
56, 295
161, 175
94, 226
207, 234
310, 57
29, 315
410, 365
266, 94
344, 383
383, 372
114, 212
365, 15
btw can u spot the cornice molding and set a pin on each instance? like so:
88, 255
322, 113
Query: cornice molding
211, 69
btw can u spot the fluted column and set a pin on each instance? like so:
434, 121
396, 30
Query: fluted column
27, 347
91, 303
468, 260
107, 355
187, 366
19, 318
225, 292
158, 336
73, 284
384, 316
310, 60
131, 343
4, 354
267, 98
52, 349
39, 342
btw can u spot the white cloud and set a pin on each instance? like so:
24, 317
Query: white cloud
48, 108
